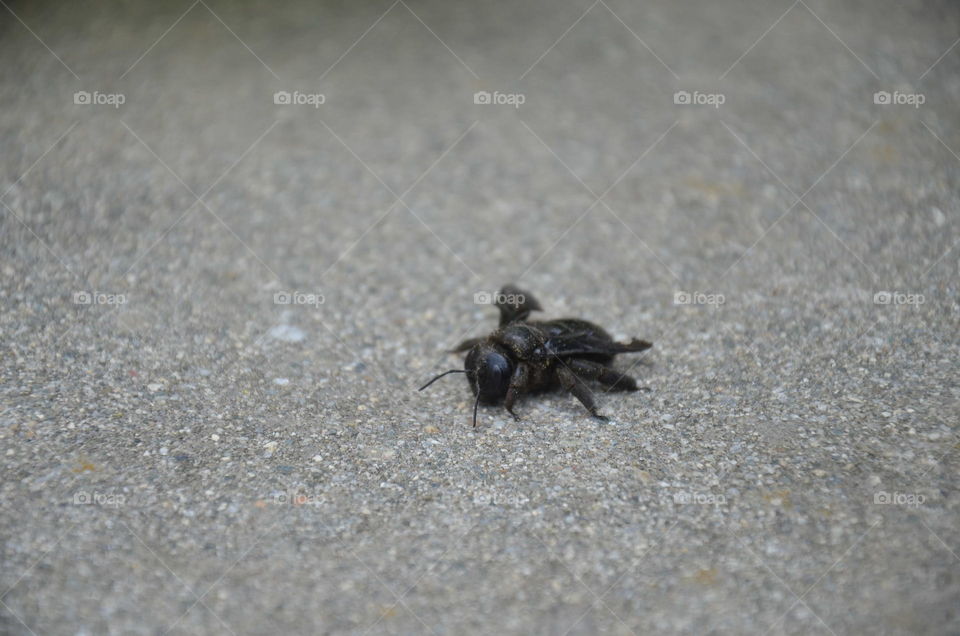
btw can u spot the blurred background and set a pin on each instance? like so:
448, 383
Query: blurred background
235, 236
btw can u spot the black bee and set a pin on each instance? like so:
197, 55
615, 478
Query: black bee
526, 356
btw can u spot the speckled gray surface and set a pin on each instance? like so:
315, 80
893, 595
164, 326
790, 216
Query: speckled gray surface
184, 454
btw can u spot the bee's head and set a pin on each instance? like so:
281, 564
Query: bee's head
488, 370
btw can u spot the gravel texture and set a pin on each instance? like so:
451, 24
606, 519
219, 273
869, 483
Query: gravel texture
184, 452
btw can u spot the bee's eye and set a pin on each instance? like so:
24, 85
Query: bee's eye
493, 376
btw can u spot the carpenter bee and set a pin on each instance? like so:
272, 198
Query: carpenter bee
524, 356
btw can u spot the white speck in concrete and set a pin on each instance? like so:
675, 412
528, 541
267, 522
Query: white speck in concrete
287, 333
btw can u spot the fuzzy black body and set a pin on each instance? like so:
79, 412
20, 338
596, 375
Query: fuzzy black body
524, 356
542, 345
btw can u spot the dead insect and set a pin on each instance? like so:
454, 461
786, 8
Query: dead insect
522, 357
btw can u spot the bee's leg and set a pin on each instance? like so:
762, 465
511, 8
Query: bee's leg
518, 385
603, 374
570, 382
515, 304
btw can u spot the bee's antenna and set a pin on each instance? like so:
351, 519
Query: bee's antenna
475, 404
440, 376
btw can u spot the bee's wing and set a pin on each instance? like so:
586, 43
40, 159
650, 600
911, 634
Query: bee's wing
589, 343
